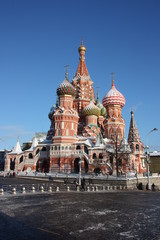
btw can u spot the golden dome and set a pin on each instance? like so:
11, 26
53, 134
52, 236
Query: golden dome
82, 47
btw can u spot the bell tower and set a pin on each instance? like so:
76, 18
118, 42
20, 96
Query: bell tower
114, 124
83, 84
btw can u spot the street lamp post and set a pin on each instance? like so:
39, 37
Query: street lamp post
147, 156
80, 168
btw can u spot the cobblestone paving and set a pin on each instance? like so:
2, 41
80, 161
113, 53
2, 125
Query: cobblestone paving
81, 215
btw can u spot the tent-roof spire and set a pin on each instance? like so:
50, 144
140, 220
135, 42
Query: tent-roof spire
82, 69
133, 135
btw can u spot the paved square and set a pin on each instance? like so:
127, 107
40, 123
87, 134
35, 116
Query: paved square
73, 215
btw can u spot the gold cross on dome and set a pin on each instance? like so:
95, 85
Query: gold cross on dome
112, 75
97, 92
66, 74
82, 41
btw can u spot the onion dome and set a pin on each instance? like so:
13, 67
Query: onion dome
66, 88
91, 109
82, 47
113, 97
103, 111
52, 111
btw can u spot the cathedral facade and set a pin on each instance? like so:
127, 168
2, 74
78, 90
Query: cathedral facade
84, 133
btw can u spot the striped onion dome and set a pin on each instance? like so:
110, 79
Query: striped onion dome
103, 111
91, 109
66, 88
113, 97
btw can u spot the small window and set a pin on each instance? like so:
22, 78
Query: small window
137, 147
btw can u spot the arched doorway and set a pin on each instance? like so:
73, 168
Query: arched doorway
39, 166
12, 164
76, 165
85, 166
44, 149
45, 166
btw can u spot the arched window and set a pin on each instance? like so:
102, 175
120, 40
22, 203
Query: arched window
55, 147
94, 156
59, 132
21, 159
137, 147
100, 156
30, 155
66, 148
78, 147
62, 147
70, 148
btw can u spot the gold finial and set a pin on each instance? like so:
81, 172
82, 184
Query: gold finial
97, 92
82, 41
66, 74
82, 47
132, 111
112, 78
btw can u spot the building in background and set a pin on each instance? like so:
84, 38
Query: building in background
84, 133
155, 162
3, 155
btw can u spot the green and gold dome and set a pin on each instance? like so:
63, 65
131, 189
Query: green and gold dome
103, 111
91, 109
66, 88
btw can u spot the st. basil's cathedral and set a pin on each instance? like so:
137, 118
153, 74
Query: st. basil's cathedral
83, 131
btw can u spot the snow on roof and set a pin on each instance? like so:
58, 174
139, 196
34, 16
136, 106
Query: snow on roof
89, 143
17, 148
106, 140
155, 153
34, 144
100, 142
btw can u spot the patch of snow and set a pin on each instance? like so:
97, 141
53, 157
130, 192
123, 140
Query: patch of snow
127, 234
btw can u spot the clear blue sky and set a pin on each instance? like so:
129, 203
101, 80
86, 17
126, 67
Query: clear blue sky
39, 37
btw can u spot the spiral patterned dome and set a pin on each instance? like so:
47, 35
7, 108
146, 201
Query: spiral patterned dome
91, 109
66, 88
113, 97
103, 111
